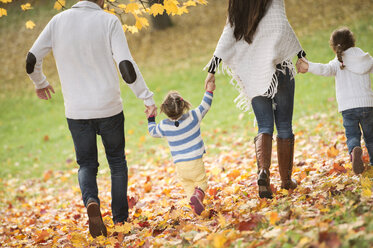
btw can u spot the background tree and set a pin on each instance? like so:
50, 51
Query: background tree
160, 21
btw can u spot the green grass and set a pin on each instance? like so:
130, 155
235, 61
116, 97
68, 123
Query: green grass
34, 136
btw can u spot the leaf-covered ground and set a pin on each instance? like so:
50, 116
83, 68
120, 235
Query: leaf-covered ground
331, 207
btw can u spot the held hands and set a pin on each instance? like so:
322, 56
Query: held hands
302, 65
150, 111
44, 93
210, 82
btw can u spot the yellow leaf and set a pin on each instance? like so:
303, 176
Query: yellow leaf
59, 4
3, 12
215, 171
332, 152
122, 6
366, 193
132, 29
110, 11
182, 10
142, 139
30, 24
125, 228
130, 132
26, 6
132, 7
222, 220
124, 28
190, 3
171, 6
366, 183
141, 22
156, 9
273, 218
6, 1
219, 240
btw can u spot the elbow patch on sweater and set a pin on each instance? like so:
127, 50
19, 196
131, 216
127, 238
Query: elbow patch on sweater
30, 63
128, 71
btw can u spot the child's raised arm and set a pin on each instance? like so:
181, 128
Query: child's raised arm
154, 128
205, 105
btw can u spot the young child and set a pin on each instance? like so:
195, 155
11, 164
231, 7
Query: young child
182, 131
351, 68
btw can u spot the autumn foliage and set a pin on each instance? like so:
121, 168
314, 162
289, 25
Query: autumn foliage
331, 207
138, 9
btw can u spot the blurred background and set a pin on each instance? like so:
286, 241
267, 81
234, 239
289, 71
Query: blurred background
34, 136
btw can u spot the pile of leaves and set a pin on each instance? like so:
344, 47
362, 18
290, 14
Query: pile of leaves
331, 207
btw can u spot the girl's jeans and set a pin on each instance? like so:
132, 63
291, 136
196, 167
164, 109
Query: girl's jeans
278, 110
111, 130
355, 118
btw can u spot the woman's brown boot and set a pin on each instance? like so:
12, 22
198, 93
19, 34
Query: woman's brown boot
263, 149
285, 155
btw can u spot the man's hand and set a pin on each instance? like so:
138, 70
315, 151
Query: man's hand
302, 65
151, 111
44, 93
210, 78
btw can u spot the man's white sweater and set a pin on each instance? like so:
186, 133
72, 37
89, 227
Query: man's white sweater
352, 84
87, 44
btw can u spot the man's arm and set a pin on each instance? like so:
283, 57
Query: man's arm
34, 60
127, 66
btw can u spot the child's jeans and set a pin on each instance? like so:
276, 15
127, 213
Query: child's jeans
192, 174
355, 118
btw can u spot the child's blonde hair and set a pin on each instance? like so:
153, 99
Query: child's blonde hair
341, 40
174, 106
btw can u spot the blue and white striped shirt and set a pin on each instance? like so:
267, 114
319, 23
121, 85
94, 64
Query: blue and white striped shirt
185, 141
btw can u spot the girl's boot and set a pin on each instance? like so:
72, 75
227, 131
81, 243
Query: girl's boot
196, 201
263, 149
285, 154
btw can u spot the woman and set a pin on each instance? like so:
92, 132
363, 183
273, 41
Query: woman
256, 49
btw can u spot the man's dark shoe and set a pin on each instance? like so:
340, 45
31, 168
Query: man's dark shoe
357, 160
96, 224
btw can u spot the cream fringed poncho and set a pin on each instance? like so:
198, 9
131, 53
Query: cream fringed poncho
253, 66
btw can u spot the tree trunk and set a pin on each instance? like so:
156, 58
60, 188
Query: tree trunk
160, 21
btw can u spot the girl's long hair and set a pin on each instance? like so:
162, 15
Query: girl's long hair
245, 15
341, 40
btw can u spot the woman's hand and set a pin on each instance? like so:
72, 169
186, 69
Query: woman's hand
302, 65
210, 86
209, 79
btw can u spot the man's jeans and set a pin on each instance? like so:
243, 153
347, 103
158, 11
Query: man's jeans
278, 110
355, 118
111, 130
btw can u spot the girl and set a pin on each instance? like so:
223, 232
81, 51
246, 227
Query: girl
182, 131
351, 68
256, 48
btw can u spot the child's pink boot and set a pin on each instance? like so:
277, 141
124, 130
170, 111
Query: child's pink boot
196, 201
357, 160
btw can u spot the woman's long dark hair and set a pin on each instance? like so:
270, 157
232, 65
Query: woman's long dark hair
245, 15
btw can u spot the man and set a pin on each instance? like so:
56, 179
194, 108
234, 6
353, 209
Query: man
88, 44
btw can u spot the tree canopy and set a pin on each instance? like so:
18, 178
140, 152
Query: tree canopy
132, 13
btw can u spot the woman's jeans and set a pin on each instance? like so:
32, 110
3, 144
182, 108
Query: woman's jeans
278, 110
355, 118
111, 130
